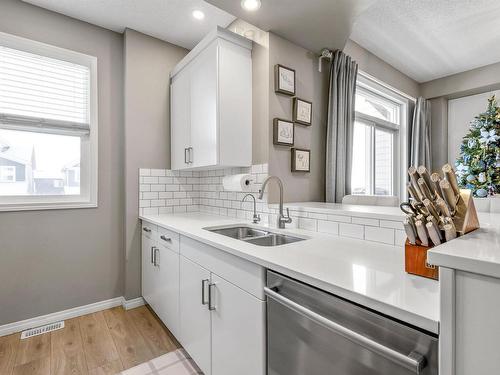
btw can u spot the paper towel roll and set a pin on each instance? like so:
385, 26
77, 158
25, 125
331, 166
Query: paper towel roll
237, 182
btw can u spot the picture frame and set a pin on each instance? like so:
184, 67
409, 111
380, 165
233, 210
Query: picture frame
283, 132
301, 160
284, 80
302, 112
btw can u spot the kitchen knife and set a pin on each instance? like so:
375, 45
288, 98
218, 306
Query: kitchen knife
435, 184
450, 176
432, 210
449, 232
422, 232
425, 189
423, 173
443, 207
412, 172
449, 195
412, 192
410, 232
433, 233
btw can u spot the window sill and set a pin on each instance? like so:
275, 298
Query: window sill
47, 206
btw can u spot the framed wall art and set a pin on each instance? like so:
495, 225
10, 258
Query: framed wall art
301, 160
283, 132
284, 80
302, 112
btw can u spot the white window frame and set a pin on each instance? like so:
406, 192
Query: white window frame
400, 159
89, 143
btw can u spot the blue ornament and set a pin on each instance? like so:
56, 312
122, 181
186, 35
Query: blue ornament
469, 186
481, 164
470, 178
481, 193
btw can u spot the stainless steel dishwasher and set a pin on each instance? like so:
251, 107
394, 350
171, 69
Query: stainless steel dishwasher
312, 332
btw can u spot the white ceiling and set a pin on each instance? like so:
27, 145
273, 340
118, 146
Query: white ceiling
170, 20
429, 39
312, 24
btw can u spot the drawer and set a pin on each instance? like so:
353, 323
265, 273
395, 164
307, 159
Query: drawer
240, 272
149, 230
168, 239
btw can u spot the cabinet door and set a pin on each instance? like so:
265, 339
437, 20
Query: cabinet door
203, 113
194, 315
167, 288
147, 269
180, 123
238, 331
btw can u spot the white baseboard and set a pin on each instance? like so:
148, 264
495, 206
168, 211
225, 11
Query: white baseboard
7, 329
133, 303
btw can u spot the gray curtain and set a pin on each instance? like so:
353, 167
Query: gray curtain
420, 135
339, 128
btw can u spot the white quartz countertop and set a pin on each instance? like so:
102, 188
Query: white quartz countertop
477, 251
364, 272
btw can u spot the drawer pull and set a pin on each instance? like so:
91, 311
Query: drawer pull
165, 238
156, 261
211, 296
203, 287
146, 229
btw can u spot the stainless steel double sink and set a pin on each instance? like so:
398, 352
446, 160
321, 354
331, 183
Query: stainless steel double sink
255, 236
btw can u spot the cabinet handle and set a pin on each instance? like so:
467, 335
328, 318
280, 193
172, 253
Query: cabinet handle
203, 283
152, 256
165, 238
211, 296
190, 155
186, 156
156, 258
146, 229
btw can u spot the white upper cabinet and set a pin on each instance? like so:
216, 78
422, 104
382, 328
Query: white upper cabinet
211, 104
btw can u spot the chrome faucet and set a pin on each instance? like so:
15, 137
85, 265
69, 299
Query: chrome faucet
282, 219
256, 217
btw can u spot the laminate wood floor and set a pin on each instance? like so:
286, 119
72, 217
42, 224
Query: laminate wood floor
102, 343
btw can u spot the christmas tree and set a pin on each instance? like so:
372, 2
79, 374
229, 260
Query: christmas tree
478, 167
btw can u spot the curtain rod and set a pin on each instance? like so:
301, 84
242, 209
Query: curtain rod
325, 54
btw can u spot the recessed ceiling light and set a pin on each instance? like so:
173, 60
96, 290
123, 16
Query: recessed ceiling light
251, 5
198, 14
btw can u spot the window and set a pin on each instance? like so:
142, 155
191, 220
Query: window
7, 174
48, 126
378, 139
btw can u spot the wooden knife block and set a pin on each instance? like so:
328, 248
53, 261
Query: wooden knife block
465, 218
416, 261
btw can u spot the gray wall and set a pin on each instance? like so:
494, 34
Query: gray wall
148, 62
475, 81
378, 68
311, 85
55, 260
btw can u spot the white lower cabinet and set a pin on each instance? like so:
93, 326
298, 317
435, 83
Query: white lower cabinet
147, 268
238, 332
167, 291
194, 314
160, 279
210, 300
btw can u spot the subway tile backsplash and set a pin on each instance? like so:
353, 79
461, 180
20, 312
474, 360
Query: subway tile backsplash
163, 191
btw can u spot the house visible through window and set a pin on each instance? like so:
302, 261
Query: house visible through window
48, 127
378, 139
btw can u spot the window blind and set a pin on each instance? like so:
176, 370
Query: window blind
43, 94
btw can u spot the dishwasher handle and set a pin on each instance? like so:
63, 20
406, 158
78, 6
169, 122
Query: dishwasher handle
414, 361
